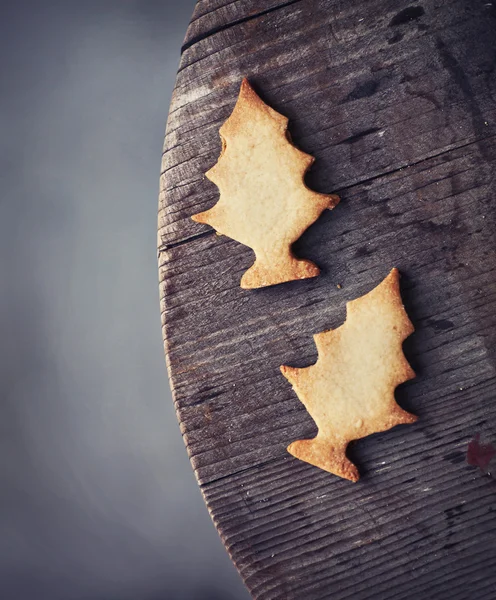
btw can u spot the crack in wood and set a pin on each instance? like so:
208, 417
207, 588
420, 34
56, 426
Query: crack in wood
165, 247
412, 164
198, 38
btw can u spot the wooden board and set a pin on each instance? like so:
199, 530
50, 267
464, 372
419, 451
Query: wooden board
397, 102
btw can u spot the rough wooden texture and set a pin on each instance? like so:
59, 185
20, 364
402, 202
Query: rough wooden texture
397, 102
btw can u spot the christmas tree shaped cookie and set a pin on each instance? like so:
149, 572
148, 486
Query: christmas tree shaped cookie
349, 391
264, 202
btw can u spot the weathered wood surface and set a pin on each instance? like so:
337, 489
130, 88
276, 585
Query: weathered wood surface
397, 102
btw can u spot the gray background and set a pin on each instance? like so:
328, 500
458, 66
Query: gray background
98, 500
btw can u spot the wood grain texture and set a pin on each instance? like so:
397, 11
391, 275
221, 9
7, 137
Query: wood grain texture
209, 19
397, 102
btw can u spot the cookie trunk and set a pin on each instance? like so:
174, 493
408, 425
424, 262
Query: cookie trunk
286, 268
326, 455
